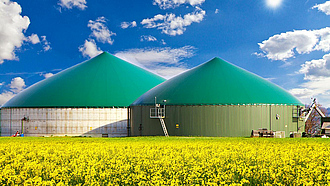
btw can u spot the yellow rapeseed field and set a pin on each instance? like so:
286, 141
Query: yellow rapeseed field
164, 161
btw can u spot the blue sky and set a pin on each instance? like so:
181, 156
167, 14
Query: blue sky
284, 41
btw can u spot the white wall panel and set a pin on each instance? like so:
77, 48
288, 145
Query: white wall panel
65, 121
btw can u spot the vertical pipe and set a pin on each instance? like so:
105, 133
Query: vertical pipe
22, 127
297, 118
270, 117
128, 121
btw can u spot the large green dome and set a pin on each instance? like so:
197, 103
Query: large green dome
103, 81
217, 82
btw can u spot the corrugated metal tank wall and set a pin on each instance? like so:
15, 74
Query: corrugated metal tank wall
216, 120
111, 122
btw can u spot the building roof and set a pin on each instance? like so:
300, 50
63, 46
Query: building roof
103, 81
217, 82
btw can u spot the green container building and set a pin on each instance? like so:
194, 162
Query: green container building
88, 99
216, 98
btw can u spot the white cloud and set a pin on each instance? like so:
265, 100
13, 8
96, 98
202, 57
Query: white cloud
270, 78
302, 93
165, 4
90, 49
46, 44
316, 69
318, 88
5, 96
169, 72
163, 42
48, 75
216, 11
125, 25
12, 27
34, 39
148, 38
149, 56
16, 85
283, 46
163, 61
100, 31
173, 25
316, 72
317, 76
69, 4
325, 7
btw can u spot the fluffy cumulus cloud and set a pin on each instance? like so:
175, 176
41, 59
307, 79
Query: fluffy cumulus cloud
165, 4
100, 31
316, 72
316, 69
12, 27
148, 38
166, 62
125, 25
16, 85
34, 39
69, 4
284, 46
325, 7
173, 25
317, 81
90, 49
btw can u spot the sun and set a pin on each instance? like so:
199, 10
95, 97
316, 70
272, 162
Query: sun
273, 3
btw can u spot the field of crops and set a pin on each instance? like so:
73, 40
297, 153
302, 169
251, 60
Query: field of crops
164, 161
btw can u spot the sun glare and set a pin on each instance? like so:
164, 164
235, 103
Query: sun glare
273, 3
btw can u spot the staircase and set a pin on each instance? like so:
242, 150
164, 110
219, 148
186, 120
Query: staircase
163, 126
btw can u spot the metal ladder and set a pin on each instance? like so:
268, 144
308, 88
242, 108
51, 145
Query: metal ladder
163, 126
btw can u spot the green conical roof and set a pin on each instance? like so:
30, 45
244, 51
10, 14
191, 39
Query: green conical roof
104, 81
217, 82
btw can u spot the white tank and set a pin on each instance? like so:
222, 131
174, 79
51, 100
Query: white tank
94, 122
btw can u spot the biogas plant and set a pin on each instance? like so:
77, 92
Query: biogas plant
108, 97
216, 99
88, 99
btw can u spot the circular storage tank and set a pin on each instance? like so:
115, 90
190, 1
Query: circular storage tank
216, 98
88, 99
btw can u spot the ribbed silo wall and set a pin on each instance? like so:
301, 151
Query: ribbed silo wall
95, 122
216, 120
